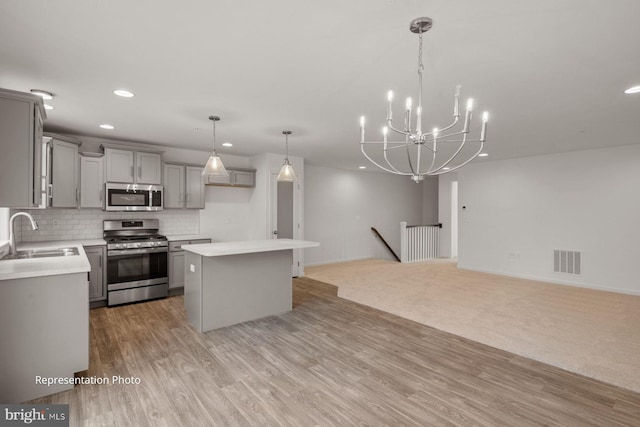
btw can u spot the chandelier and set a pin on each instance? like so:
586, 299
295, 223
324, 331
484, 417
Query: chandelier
416, 141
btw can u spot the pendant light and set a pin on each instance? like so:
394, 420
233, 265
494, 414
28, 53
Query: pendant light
286, 172
214, 166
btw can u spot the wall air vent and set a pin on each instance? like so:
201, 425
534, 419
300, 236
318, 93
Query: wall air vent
569, 262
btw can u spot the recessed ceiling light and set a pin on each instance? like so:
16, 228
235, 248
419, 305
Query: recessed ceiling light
123, 93
362, 167
106, 126
48, 107
633, 89
482, 155
227, 144
44, 94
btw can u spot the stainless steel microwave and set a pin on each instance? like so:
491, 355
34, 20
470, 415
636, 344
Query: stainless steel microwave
133, 197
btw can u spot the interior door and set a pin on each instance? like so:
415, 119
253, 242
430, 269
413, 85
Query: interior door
283, 221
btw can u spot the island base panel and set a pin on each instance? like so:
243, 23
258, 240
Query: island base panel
230, 289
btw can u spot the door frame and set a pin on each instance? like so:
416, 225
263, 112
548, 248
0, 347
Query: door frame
272, 223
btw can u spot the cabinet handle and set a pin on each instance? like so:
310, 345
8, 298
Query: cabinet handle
139, 171
131, 172
77, 194
50, 191
100, 261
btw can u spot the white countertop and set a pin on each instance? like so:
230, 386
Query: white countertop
188, 237
36, 267
247, 247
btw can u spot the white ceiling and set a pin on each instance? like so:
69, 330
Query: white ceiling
551, 72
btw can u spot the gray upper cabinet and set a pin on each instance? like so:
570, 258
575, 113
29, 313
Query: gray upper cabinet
64, 173
148, 168
237, 178
21, 117
183, 186
173, 186
91, 181
132, 167
119, 165
194, 185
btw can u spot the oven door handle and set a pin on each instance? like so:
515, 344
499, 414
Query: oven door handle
118, 252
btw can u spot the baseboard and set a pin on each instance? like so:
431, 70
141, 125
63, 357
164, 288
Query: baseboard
555, 282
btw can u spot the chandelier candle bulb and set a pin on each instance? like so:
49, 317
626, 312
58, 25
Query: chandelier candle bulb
485, 119
409, 102
362, 130
385, 132
456, 102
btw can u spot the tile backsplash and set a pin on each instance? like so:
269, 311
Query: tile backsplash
82, 224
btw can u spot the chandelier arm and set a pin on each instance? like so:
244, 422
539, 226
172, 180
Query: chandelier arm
381, 167
413, 172
459, 140
455, 122
388, 162
418, 160
401, 132
440, 172
433, 159
464, 141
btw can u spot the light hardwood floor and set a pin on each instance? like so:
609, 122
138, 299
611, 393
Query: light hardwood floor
328, 362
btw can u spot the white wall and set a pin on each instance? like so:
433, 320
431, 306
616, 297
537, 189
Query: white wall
4, 223
341, 207
430, 200
444, 212
584, 201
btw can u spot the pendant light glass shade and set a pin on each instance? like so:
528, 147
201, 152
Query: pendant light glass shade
286, 171
214, 166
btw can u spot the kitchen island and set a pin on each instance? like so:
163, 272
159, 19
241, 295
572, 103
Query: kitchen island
233, 282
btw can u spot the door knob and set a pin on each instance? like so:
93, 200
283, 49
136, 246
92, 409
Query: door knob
275, 231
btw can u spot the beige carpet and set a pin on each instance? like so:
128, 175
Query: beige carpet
593, 333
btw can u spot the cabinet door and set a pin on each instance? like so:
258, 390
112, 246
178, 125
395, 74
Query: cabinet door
119, 164
16, 161
148, 168
244, 178
91, 182
174, 194
194, 187
219, 180
64, 174
37, 158
176, 269
96, 288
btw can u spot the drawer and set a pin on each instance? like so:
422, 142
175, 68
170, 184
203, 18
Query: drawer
177, 245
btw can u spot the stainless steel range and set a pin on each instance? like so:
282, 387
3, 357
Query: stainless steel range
136, 261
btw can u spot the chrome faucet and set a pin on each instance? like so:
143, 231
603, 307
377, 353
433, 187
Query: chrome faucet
12, 235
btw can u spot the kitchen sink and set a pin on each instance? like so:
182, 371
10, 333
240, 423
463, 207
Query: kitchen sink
43, 253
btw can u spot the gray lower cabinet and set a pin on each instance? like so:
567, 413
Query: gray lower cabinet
176, 261
97, 258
